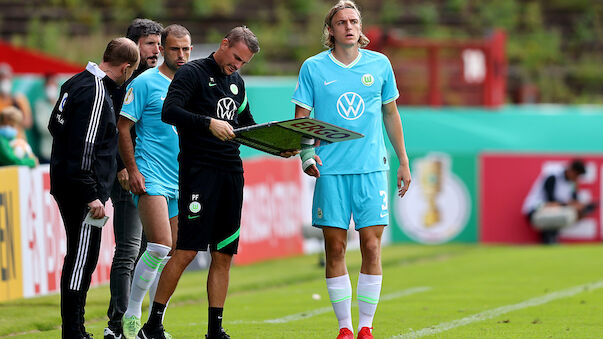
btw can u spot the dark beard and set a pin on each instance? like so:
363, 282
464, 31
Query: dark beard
141, 68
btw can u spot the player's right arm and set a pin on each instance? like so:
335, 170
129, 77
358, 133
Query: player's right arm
131, 112
303, 98
307, 155
135, 182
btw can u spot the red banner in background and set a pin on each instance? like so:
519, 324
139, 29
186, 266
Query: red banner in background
54, 238
506, 180
44, 240
271, 221
24, 60
271, 224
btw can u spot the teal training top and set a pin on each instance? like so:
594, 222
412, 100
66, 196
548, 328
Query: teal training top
350, 96
157, 147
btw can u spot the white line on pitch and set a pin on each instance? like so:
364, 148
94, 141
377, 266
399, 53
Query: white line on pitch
489, 314
308, 314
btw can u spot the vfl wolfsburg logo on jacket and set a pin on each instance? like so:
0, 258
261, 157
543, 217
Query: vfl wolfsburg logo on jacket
226, 108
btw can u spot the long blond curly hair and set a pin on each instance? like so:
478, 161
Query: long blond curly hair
327, 39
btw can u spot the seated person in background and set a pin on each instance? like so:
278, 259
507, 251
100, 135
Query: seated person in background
552, 203
14, 150
8, 99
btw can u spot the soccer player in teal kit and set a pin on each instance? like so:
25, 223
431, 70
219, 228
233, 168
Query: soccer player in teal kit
353, 88
152, 168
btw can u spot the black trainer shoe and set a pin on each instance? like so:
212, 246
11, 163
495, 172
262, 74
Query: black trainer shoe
151, 333
221, 335
112, 333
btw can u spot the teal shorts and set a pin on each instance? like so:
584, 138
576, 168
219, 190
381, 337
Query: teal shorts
338, 198
171, 196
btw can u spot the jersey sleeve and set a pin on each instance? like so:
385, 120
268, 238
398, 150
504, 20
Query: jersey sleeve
134, 101
304, 91
389, 89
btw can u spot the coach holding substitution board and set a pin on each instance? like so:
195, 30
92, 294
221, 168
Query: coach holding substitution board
82, 170
206, 99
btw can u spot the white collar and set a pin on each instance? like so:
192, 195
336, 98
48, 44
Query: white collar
351, 64
94, 69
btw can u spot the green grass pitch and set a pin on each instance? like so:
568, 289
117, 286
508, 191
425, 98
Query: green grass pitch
449, 291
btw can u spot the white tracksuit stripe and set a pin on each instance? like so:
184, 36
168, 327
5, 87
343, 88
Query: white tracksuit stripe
77, 258
97, 117
93, 124
84, 258
99, 109
86, 154
82, 255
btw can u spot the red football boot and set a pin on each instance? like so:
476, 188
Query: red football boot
365, 333
345, 333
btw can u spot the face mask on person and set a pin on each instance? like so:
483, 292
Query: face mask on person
9, 132
51, 93
5, 86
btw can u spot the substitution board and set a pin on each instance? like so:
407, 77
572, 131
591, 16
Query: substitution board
280, 136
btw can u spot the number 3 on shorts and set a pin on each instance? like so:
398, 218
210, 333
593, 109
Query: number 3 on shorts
384, 195
384, 211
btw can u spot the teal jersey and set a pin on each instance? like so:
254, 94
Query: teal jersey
157, 146
350, 96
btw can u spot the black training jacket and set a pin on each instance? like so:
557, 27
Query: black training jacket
84, 146
199, 92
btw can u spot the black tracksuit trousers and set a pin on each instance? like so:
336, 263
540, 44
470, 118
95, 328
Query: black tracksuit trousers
83, 245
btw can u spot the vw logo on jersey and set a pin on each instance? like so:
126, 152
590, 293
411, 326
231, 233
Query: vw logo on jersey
350, 106
226, 108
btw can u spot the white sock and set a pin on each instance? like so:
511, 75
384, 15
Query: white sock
369, 289
153, 288
340, 293
144, 274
